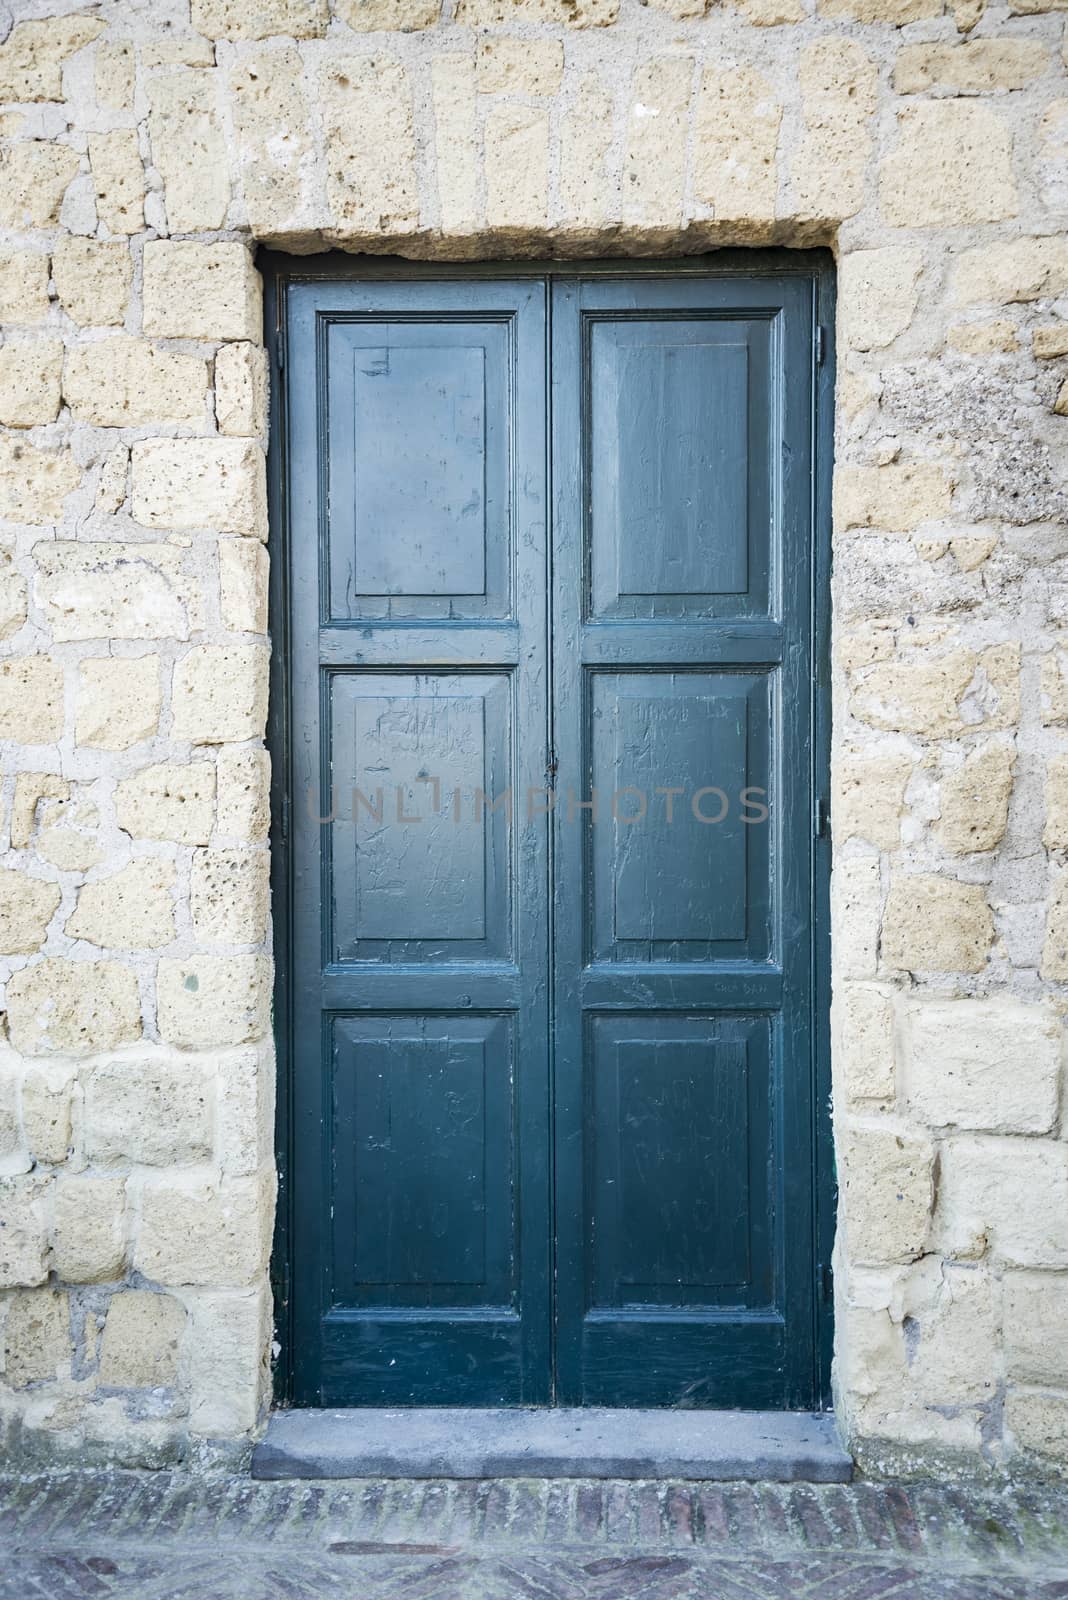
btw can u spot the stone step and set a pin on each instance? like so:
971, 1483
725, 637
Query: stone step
776, 1446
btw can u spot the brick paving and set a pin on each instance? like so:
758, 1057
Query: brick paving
168, 1536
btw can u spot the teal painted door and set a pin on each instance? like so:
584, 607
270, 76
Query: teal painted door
550, 762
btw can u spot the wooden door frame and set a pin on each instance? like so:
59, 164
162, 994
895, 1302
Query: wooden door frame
280, 270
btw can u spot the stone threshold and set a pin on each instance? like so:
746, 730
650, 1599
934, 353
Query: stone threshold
734, 1446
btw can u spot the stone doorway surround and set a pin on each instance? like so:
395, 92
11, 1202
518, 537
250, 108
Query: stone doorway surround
146, 152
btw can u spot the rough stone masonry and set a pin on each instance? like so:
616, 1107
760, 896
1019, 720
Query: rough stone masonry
146, 150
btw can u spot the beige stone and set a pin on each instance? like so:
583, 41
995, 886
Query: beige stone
1060, 405
172, 801
11, 1138
30, 789
241, 390
869, 797
122, 382
898, 496
973, 68
23, 286
897, 12
400, 16
244, 794
975, 800
130, 910
243, 574
33, 180
69, 836
952, 167
934, 924
25, 1205
92, 280
575, 13
100, 590
983, 338
995, 695
586, 193
516, 166
229, 896
152, 1110
457, 143
194, 1232
33, 54
1055, 687
13, 596
878, 294
518, 66
189, 150
1048, 343
187, 484
31, 700
886, 1189
771, 13
229, 1376
371, 180
201, 291
654, 170
141, 1341
270, 111
30, 381
259, 19
1005, 271
735, 137
116, 74
47, 1094
951, 1313
60, 1007
220, 694
34, 482
991, 1064
206, 1002
857, 898
119, 178
246, 1121
862, 1019
838, 94
111, 489
921, 695
177, 49
1055, 950
37, 1341
89, 1237
1036, 1423
1036, 1315
1055, 834
27, 906
1005, 1195
118, 701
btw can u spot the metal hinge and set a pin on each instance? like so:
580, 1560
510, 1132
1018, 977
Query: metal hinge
821, 817
825, 1279
821, 344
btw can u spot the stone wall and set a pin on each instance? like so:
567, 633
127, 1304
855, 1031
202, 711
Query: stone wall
146, 149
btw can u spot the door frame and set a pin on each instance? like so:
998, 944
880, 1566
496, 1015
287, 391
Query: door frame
279, 271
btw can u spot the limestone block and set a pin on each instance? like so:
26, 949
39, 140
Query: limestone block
244, 794
31, 700
207, 1002
46, 1112
131, 910
34, 177
33, 54
201, 291
246, 1109
271, 120
92, 280
111, 489
229, 896
898, 496
973, 68
122, 382
886, 1188
869, 797
936, 924
100, 590
983, 338
241, 390
857, 904
119, 180
189, 150
89, 1238
118, 701
23, 286
30, 789
243, 575
516, 166
1055, 687
736, 134
68, 835
1055, 950
1048, 343
1008, 1195
1037, 1423
995, 695
37, 1341
518, 66
371, 184
177, 49
838, 94
952, 167
975, 800
771, 13
11, 1140
200, 483
34, 483
229, 1376
897, 12
586, 194
654, 171
400, 16
990, 1064
1036, 1315
59, 1007
220, 694
457, 143
1055, 834
919, 696
116, 74
575, 13
152, 1110
25, 1205
878, 294
172, 801
862, 1021
951, 1316
1002, 273
259, 19
681, 10
1060, 405
30, 382
27, 906
12, 596
142, 1336
192, 1232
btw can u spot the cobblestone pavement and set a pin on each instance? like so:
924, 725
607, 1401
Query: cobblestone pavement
165, 1536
